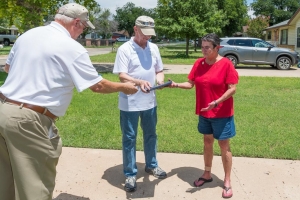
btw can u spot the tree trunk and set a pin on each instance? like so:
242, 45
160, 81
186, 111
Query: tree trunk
187, 47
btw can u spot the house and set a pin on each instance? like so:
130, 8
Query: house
122, 33
286, 34
13, 30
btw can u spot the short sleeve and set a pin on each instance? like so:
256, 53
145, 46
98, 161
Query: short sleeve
83, 73
192, 74
232, 75
121, 62
10, 55
159, 64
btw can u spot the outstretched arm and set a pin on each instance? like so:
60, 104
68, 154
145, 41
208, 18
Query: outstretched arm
144, 85
106, 86
185, 85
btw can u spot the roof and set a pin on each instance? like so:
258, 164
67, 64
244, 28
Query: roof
13, 27
238, 38
286, 22
123, 32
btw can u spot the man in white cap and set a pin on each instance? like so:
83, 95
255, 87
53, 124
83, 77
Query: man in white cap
139, 61
37, 90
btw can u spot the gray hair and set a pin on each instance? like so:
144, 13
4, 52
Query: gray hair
64, 19
213, 38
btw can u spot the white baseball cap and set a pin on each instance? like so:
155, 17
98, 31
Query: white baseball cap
146, 24
75, 10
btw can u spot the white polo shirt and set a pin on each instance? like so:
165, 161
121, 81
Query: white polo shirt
140, 64
45, 65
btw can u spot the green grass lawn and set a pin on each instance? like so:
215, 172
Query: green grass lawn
170, 54
5, 50
266, 116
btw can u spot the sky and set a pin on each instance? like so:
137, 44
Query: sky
113, 4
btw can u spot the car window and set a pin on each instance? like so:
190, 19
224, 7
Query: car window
230, 42
261, 43
244, 43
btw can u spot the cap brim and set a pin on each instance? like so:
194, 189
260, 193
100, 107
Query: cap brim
90, 25
148, 31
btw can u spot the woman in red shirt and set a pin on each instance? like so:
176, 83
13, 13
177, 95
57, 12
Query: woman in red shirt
215, 80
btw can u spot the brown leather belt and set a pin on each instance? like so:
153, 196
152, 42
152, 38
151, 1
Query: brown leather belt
38, 109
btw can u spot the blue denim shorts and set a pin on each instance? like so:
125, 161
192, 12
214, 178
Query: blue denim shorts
221, 128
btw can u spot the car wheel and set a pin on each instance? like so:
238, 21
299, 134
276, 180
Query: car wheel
233, 59
284, 63
6, 43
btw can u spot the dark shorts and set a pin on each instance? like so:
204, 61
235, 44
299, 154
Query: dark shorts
221, 128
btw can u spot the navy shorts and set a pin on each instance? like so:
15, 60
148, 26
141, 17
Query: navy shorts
221, 128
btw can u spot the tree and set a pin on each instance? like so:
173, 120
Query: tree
277, 10
127, 15
26, 14
257, 25
236, 14
4, 23
189, 19
105, 24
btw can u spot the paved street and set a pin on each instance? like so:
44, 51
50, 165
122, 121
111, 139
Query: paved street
185, 69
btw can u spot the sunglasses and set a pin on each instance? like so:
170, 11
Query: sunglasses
85, 27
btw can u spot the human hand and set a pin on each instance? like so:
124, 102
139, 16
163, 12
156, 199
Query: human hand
129, 88
173, 84
145, 86
210, 106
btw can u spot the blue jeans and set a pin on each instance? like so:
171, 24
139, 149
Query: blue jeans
129, 124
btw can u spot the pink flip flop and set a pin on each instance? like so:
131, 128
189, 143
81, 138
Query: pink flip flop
225, 192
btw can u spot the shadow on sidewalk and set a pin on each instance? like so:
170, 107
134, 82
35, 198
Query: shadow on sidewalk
146, 187
190, 174
65, 196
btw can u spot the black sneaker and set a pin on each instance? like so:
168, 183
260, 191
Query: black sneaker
130, 184
157, 172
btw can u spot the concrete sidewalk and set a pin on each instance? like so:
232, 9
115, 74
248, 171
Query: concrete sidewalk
96, 174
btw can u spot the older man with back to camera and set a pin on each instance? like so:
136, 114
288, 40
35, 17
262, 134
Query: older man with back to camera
39, 89
139, 61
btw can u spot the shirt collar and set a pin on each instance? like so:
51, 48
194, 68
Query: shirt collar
59, 27
136, 46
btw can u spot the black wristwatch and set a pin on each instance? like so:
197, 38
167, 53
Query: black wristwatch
215, 103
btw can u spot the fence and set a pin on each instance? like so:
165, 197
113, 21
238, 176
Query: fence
96, 42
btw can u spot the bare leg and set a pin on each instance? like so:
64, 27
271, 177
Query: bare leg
208, 157
227, 165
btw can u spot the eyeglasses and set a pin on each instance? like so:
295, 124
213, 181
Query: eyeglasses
206, 47
85, 27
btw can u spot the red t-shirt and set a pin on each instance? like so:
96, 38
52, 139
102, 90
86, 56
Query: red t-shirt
211, 82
